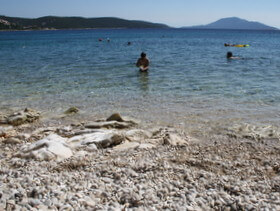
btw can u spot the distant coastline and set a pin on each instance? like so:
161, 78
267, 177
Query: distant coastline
78, 23
55, 23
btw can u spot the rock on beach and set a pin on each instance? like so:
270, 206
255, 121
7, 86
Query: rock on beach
49, 148
102, 139
26, 116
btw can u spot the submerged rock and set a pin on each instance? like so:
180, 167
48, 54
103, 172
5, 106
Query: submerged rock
110, 124
26, 116
71, 110
115, 117
114, 121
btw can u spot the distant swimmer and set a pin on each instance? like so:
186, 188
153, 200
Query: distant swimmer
128, 43
143, 62
227, 45
230, 56
108, 40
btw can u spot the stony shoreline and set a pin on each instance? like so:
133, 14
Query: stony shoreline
113, 164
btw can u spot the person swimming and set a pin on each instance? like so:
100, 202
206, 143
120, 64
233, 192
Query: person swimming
230, 56
227, 45
143, 62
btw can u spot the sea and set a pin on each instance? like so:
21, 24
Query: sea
190, 84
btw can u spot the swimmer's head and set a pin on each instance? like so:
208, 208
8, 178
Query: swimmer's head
143, 55
229, 54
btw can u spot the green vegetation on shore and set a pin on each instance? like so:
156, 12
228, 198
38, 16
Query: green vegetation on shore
53, 22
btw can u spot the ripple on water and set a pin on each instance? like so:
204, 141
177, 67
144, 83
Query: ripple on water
190, 83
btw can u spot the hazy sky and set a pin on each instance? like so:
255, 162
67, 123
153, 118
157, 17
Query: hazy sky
171, 12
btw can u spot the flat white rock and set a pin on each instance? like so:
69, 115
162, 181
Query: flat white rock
52, 147
101, 139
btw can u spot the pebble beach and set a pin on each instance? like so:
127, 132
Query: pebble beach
115, 164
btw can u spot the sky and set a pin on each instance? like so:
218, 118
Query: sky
175, 13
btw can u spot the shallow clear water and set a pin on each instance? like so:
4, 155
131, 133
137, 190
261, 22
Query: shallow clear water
190, 83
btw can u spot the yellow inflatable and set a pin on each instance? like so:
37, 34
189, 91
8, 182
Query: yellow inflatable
239, 46
235, 45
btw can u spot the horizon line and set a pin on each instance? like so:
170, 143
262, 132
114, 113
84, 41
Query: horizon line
84, 17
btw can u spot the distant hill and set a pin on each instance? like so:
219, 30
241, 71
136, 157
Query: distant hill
53, 22
5, 25
235, 23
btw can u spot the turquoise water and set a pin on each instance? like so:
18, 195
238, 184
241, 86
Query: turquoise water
190, 84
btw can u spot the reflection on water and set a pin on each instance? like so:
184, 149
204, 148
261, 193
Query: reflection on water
143, 78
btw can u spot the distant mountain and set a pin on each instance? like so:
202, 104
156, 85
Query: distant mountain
235, 23
53, 22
